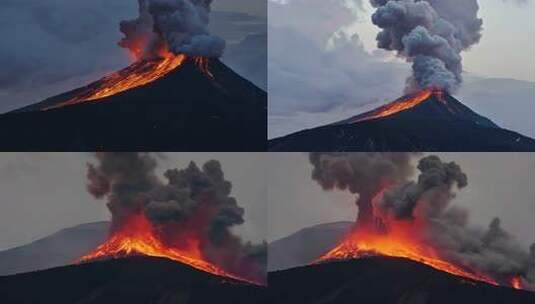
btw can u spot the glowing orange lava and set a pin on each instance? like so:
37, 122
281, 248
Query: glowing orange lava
138, 74
203, 64
397, 243
139, 239
403, 104
516, 283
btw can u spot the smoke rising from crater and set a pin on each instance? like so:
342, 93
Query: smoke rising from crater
178, 26
194, 201
431, 34
385, 180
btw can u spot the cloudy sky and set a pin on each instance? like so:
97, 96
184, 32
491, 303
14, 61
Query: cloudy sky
499, 185
45, 192
324, 66
49, 47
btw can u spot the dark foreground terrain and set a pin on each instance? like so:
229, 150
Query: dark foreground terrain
382, 280
434, 125
134, 280
185, 110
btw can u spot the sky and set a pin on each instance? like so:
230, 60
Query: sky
49, 47
324, 66
45, 192
499, 185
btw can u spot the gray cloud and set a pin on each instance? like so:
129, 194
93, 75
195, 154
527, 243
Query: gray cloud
431, 34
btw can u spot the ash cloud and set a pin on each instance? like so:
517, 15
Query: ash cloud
428, 201
365, 174
181, 26
192, 201
431, 34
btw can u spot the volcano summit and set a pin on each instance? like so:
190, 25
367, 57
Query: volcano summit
430, 120
184, 103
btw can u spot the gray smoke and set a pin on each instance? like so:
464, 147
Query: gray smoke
181, 26
192, 202
431, 34
365, 174
428, 201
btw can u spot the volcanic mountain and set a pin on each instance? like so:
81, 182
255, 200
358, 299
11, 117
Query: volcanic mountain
177, 103
135, 279
431, 120
384, 280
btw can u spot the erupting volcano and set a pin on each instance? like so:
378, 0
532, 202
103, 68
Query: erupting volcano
139, 239
401, 244
175, 85
187, 220
416, 220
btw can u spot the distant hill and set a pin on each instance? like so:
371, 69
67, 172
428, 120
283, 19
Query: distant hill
59, 249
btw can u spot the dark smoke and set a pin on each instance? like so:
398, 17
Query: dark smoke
192, 202
431, 34
364, 174
181, 26
493, 251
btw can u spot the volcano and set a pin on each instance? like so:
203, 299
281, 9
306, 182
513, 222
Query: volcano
135, 279
430, 120
171, 103
384, 280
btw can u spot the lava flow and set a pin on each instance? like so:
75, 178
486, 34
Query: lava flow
396, 243
138, 74
402, 104
139, 239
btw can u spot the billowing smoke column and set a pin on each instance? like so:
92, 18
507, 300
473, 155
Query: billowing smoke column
193, 203
426, 205
431, 34
177, 26
364, 174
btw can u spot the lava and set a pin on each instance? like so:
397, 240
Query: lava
516, 283
138, 74
401, 244
137, 237
402, 104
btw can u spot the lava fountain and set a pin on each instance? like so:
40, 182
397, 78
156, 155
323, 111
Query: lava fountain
139, 238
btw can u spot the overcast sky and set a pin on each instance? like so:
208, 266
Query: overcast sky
499, 185
42, 193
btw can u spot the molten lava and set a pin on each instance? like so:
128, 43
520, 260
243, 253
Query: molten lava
138, 238
138, 74
516, 283
362, 243
403, 104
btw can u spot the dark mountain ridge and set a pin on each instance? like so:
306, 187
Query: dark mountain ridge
133, 280
437, 123
384, 280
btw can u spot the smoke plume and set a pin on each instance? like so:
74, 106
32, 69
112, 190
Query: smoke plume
431, 34
192, 203
364, 174
393, 198
177, 26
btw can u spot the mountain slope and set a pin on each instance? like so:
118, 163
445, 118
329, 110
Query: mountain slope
58, 249
434, 122
187, 109
305, 245
382, 280
131, 280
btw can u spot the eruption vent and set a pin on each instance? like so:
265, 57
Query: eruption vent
188, 220
164, 35
415, 220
